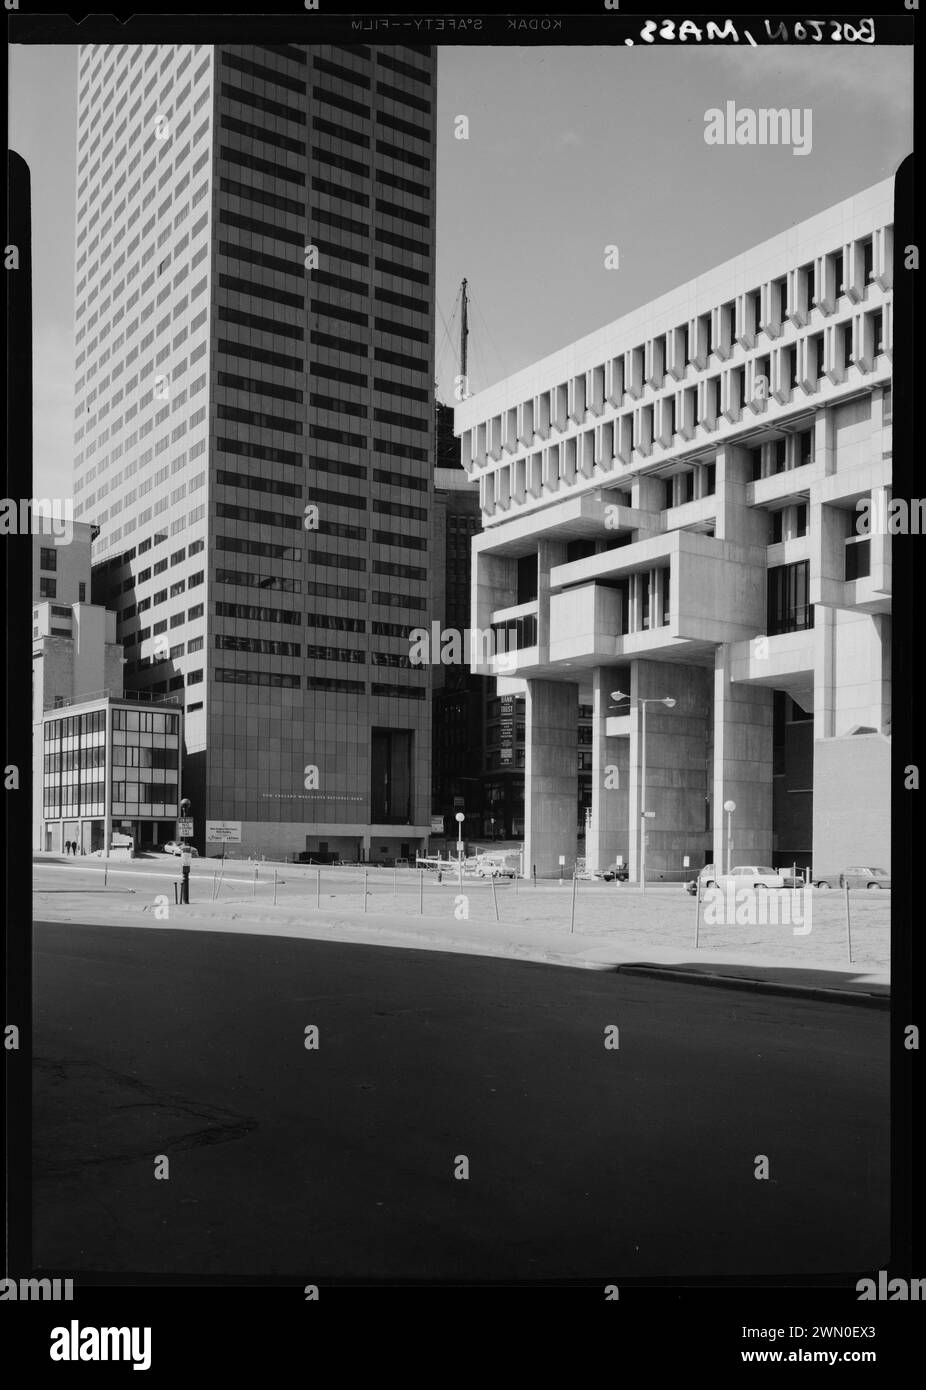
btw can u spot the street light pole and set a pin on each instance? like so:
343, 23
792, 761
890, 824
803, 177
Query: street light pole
669, 703
460, 819
729, 807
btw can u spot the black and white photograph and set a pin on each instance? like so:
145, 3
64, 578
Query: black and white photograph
465, 830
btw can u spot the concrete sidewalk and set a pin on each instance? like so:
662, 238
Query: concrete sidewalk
631, 954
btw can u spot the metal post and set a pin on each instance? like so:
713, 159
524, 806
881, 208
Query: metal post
420, 892
729, 841
254, 883
274, 887
494, 896
214, 884
105, 872
575, 884
365, 890
643, 800
698, 909
848, 924
395, 880
318, 888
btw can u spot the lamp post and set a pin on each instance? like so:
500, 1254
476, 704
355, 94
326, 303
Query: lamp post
460, 819
729, 807
645, 815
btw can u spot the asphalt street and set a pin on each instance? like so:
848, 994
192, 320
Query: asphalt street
341, 1162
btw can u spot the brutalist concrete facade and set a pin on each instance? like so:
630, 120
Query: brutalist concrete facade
685, 487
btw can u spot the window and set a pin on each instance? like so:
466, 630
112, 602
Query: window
48, 558
48, 588
858, 557
81, 592
788, 609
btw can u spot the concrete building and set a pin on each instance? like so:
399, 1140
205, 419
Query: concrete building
255, 305
670, 512
103, 762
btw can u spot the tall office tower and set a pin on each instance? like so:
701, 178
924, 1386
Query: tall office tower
685, 527
255, 302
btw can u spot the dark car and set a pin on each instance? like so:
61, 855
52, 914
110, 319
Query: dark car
614, 872
855, 877
866, 878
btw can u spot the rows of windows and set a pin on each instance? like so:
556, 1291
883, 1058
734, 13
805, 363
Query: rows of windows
818, 286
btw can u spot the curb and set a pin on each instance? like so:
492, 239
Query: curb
525, 951
815, 992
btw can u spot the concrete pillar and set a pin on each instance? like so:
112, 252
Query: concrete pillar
551, 783
608, 832
549, 554
824, 680
736, 520
742, 765
677, 768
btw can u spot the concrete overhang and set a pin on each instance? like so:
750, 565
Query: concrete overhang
582, 516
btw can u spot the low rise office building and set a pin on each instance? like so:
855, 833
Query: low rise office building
105, 763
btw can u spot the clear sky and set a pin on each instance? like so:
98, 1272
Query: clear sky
569, 150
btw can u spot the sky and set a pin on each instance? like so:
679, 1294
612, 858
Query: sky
570, 150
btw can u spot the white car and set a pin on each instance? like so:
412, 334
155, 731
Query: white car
750, 876
173, 847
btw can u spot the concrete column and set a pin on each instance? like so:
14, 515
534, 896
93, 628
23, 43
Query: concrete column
608, 833
742, 765
677, 768
824, 676
549, 554
736, 521
551, 783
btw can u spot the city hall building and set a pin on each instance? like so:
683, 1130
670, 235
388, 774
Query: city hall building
254, 430
673, 509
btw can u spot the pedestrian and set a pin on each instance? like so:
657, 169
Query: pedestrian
67, 846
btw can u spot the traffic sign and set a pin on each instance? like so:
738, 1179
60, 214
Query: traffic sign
185, 829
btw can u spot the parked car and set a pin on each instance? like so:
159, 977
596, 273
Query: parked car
174, 847
855, 878
790, 880
707, 878
613, 873
751, 876
866, 878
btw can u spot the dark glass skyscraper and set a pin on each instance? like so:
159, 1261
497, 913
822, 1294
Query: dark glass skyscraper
255, 311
